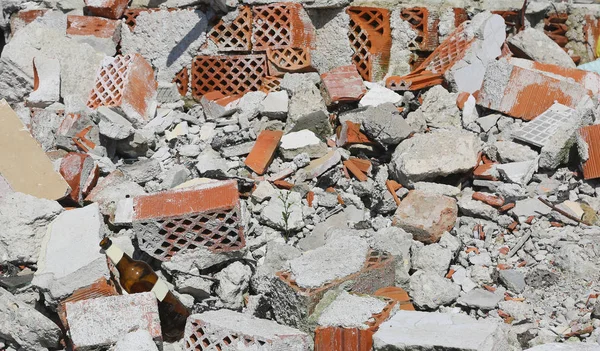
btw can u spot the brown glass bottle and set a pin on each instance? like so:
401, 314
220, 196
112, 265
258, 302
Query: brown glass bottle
138, 276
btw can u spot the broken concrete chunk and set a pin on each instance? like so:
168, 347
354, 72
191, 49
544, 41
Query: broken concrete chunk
304, 141
24, 222
508, 151
377, 95
110, 190
46, 82
23, 163
307, 110
426, 216
436, 154
481, 299
233, 284
24, 326
385, 125
535, 45
275, 105
432, 258
116, 316
288, 202
518, 172
337, 314
113, 125
430, 331
320, 165
513, 280
139, 340
142, 171
438, 110
226, 327
429, 290
69, 257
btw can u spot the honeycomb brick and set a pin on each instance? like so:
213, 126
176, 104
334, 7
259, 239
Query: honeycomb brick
270, 84
112, 9
263, 151
343, 84
113, 317
95, 26
295, 303
81, 173
371, 40
281, 25
182, 79
100, 288
127, 83
231, 75
235, 35
460, 16
229, 330
208, 215
427, 33
356, 339
555, 27
288, 60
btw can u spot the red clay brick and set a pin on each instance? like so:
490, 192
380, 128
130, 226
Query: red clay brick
89, 25
484, 172
460, 16
427, 31
507, 207
310, 197
182, 79
397, 294
488, 199
81, 173
270, 84
414, 81
207, 215
364, 165
590, 135
371, 40
280, 25
283, 184
355, 171
101, 288
263, 151
349, 133
235, 35
555, 27
343, 84
106, 8
126, 82
234, 74
288, 60
461, 99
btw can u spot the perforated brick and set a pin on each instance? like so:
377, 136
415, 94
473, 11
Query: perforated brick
418, 17
235, 35
235, 74
112, 9
228, 330
207, 215
270, 84
555, 27
460, 16
288, 60
371, 40
89, 25
130, 15
281, 25
126, 82
297, 303
182, 79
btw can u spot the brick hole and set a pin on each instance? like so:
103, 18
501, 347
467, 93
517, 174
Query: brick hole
172, 237
165, 244
158, 252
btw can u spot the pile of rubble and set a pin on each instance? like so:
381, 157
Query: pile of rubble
303, 175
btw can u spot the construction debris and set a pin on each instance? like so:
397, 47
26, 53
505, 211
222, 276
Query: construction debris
300, 175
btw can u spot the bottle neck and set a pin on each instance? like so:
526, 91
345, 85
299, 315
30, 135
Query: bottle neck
114, 253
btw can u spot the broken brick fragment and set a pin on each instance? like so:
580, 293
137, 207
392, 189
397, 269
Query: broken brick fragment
126, 83
182, 79
207, 215
263, 151
24, 17
485, 171
425, 27
489, 199
95, 26
397, 294
288, 60
231, 74
362, 164
112, 9
81, 173
100, 288
281, 25
234, 35
355, 171
349, 133
591, 137
282, 184
507, 207
343, 84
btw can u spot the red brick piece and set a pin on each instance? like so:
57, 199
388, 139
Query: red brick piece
488, 199
343, 84
235, 35
89, 25
23, 18
270, 84
182, 79
371, 40
235, 74
106, 8
81, 173
207, 215
555, 27
281, 25
349, 133
288, 60
591, 167
355, 171
125, 82
263, 151
100, 288
397, 294
426, 28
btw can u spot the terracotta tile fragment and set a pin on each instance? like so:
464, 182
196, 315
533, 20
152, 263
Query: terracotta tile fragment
488, 199
507, 207
263, 151
513, 226
310, 197
364, 165
81, 173
112, 9
95, 26
282, 184
235, 35
392, 189
349, 133
355, 171
343, 84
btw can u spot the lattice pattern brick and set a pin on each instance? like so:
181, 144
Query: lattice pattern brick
539, 131
235, 35
371, 40
288, 60
182, 79
448, 52
555, 27
270, 84
208, 215
200, 340
126, 82
231, 75
418, 17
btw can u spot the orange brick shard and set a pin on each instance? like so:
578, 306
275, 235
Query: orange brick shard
343, 84
130, 16
488, 199
355, 171
555, 27
288, 60
281, 25
182, 79
427, 31
81, 173
235, 35
371, 40
591, 33
126, 82
527, 93
349, 133
270, 84
100, 288
112, 9
263, 151
460, 16
591, 136
207, 215
95, 26
235, 74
